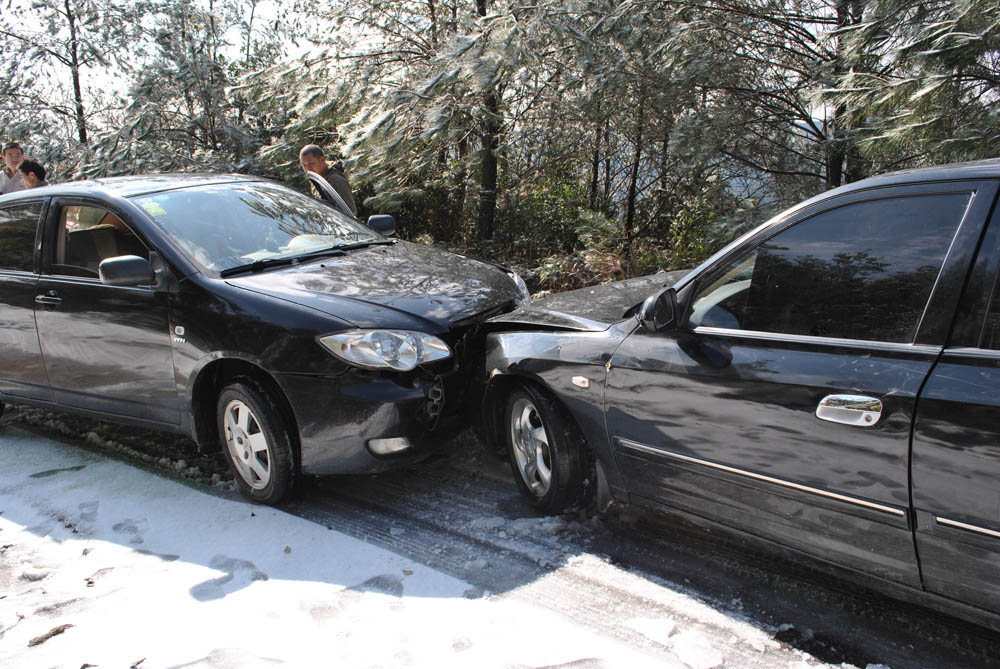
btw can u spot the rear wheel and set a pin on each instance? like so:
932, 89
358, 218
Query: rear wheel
256, 442
552, 465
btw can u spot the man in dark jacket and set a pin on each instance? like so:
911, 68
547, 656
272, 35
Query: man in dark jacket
312, 160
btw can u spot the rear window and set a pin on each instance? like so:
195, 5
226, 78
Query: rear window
18, 225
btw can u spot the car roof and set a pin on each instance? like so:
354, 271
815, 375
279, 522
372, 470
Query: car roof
969, 171
130, 186
977, 169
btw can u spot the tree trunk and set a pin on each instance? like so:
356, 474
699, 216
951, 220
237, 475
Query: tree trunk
633, 181
81, 121
432, 10
253, 10
207, 97
607, 159
663, 204
488, 164
460, 178
488, 168
595, 169
844, 163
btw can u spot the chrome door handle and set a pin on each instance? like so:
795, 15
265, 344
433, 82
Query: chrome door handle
49, 298
858, 410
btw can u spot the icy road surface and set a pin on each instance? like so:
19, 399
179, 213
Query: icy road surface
111, 558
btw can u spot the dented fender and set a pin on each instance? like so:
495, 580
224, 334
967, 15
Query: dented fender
570, 366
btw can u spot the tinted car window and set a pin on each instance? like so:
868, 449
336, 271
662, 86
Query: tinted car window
87, 235
991, 332
221, 227
861, 271
17, 236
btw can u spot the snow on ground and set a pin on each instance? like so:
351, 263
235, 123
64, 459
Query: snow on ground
104, 564
107, 564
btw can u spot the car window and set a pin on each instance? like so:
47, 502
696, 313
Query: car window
226, 226
17, 236
86, 235
861, 271
991, 331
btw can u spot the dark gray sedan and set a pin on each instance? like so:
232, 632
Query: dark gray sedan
829, 382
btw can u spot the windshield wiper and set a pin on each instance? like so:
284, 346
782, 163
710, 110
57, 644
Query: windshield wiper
338, 250
361, 245
264, 263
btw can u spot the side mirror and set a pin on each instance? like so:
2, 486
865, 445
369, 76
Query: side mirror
126, 271
384, 224
659, 311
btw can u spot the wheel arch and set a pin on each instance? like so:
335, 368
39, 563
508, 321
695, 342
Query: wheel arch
495, 398
218, 374
608, 490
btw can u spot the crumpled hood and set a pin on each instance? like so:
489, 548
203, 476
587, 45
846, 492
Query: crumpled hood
387, 286
595, 308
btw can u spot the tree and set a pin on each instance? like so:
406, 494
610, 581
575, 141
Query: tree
635, 135
927, 79
184, 112
67, 37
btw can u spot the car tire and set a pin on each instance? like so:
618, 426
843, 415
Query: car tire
551, 462
256, 442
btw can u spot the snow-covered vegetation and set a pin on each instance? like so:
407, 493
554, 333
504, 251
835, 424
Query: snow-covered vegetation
582, 140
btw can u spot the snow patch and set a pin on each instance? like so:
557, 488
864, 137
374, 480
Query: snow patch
695, 650
214, 572
658, 630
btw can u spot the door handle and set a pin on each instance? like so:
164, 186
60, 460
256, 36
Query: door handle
51, 298
858, 410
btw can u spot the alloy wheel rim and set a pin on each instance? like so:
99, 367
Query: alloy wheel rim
248, 447
531, 447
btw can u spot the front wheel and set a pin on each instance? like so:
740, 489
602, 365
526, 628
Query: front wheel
552, 465
256, 442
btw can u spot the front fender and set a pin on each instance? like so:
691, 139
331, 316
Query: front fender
568, 366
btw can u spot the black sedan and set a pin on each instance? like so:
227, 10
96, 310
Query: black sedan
250, 316
829, 382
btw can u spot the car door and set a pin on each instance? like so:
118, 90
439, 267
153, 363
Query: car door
327, 193
783, 404
956, 447
106, 348
22, 371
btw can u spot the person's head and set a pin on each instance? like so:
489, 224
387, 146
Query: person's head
312, 160
13, 154
32, 173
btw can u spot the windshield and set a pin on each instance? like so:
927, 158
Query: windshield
223, 226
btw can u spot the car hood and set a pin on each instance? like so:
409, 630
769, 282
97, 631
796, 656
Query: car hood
396, 285
595, 308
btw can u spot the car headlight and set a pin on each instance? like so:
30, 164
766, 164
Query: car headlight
524, 295
400, 350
